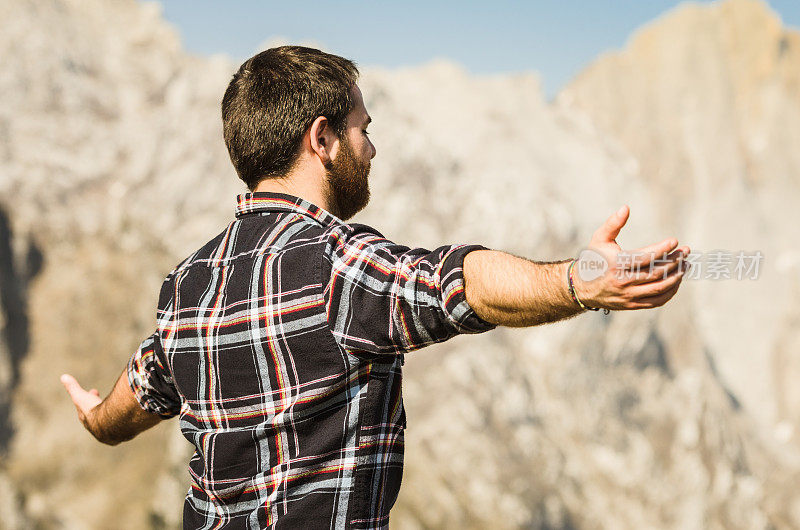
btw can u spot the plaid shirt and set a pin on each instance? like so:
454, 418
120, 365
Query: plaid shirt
279, 344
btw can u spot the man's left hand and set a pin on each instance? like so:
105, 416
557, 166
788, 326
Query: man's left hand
112, 420
84, 401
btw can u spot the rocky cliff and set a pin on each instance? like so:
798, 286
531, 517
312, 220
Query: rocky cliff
707, 99
112, 168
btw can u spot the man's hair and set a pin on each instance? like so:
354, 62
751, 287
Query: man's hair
274, 98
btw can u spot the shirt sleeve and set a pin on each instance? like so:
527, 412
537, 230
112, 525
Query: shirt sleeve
151, 381
382, 297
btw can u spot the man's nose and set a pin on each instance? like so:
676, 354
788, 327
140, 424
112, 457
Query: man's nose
374, 151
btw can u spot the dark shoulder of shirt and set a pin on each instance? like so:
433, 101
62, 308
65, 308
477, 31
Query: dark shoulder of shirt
381, 297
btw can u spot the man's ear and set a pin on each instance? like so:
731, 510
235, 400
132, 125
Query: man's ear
322, 139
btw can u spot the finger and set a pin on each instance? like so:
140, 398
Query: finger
74, 389
657, 272
637, 292
658, 300
82, 399
72, 386
610, 229
645, 255
95, 392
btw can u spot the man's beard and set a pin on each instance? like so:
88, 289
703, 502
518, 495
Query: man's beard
347, 192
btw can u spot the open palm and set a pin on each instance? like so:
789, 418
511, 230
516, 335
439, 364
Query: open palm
615, 279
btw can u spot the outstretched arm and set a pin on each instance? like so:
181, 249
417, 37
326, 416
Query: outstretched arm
512, 291
112, 420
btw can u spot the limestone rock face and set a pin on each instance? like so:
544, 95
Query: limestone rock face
113, 168
707, 99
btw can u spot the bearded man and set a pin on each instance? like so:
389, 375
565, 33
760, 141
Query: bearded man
280, 342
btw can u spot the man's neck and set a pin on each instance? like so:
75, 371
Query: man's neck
303, 189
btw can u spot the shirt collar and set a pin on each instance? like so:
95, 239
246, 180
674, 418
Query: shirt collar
253, 202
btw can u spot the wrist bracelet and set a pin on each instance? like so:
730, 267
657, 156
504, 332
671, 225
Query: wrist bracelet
574, 295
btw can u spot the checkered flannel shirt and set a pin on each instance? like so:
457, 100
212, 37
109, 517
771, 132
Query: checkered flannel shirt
279, 344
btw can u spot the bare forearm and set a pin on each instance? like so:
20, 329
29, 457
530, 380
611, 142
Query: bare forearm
119, 417
106, 426
512, 291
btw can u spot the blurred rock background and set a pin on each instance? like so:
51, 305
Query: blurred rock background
112, 169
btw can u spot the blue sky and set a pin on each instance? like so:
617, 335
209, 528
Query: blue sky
555, 38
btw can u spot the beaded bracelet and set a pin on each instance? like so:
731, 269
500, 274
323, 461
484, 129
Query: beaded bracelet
574, 295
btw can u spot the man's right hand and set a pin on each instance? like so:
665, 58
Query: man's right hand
641, 279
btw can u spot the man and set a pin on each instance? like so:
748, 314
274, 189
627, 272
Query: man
280, 342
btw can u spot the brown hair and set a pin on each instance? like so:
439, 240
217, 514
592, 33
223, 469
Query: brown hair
274, 98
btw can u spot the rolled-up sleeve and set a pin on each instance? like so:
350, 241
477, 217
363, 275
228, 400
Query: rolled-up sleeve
151, 381
382, 297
